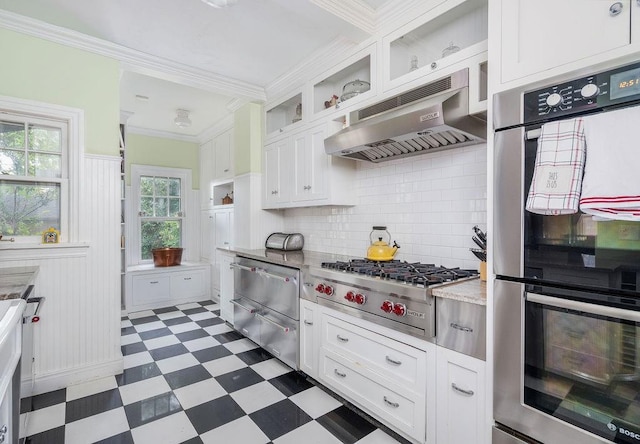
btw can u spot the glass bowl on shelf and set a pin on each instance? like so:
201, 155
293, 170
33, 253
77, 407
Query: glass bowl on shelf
353, 88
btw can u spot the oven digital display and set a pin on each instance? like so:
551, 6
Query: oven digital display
625, 84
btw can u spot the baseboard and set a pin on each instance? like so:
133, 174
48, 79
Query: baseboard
57, 380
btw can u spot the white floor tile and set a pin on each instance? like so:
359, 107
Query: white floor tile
377, 437
200, 343
188, 306
224, 365
310, 433
170, 315
45, 419
315, 402
212, 307
241, 345
140, 314
177, 363
201, 316
172, 429
88, 388
242, 430
130, 339
199, 393
23, 423
126, 323
97, 427
144, 389
218, 329
270, 368
162, 341
137, 359
181, 328
150, 326
257, 396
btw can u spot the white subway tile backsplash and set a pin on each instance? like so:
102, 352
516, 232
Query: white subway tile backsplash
429, 203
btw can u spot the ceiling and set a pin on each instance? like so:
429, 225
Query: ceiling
243, 48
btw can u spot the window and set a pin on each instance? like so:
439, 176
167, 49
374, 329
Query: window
160, 195
33, 176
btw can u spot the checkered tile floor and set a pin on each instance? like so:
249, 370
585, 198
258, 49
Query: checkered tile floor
190, 378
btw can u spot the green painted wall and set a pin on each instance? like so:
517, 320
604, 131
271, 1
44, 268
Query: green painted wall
157, 151
37, 69
248, 139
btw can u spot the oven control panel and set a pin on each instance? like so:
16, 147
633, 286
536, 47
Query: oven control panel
589, 93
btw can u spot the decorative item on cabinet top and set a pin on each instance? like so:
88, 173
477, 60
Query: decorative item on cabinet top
353, 88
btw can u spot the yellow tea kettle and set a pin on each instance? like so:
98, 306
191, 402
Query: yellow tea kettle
380, 250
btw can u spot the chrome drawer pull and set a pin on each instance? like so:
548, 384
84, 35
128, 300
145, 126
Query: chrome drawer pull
274, 323
461, 328
342, 375
153, 282
307, 322
239, 305
187, 279
463, 391
392, 361
395, 405
341, 339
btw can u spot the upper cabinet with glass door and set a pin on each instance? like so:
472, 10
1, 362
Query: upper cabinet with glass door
283, 116
453, 31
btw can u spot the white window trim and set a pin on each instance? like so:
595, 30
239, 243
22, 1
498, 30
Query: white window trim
150, 170
74, 118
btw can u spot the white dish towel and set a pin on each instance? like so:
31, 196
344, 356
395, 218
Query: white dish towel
557, 177
611, 185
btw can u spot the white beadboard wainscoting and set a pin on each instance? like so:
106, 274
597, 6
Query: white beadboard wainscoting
429, 204
78, 336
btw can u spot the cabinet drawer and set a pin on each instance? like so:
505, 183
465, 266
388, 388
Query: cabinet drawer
187, 285
147, 289
461, 326
383, 355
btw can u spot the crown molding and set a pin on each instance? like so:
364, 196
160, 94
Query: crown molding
219, 127
356, 12
131, 59
161, 134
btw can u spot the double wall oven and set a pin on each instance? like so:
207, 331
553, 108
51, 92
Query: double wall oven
567, 288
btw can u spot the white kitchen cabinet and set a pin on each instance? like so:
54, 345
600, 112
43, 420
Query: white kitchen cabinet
206, 175
226, 285
537, 36
216, 168
223, 156
283, 116
309, 337
298, 173
216, 231
460, 398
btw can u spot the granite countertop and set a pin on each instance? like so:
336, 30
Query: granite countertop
296, 259
473, 291
14, 281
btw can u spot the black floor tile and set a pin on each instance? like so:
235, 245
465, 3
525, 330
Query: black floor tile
239, 379
152, 334
177, 321
26, 405
190, 311
144, 320
211, 353
346, 425
216, 312
212, 414
122, 438
92, 405
168, 352
195, 440
130, 349
191, 335
254, 356
207, 302
209, 322
48, 399
280, 418
187, 376
127, 331
291, 383
164, 310
136, 374
229, 336
53, 436
151, 409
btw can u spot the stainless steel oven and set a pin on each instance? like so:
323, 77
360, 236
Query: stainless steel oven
567, 288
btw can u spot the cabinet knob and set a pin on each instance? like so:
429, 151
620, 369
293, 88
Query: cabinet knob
615, 9
434, 65
274, 192
226, 170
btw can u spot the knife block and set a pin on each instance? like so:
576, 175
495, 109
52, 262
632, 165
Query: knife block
483, 271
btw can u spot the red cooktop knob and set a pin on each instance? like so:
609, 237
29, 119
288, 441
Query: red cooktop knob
320, 288
360, 299
387, 306
350, 296
399, 309
328, 290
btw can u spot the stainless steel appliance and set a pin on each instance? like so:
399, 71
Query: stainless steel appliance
394, 294
285, 241
567, 289
267, 307
430, 118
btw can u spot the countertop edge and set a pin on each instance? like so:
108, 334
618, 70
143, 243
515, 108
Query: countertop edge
472, 291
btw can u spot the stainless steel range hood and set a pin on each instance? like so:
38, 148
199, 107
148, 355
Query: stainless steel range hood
430, 118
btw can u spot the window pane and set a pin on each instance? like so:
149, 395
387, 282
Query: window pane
12, 162
158, 235
161, 186
42, 138
27, 209
11, 135
146, 186
161, 207
45, 165
174, 187
146, 206
174, 207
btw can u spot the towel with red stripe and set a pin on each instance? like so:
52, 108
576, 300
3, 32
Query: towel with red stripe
559, 167
611, 184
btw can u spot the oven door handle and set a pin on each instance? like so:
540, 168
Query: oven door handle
239, 305
274, 323
263, 272
611, 312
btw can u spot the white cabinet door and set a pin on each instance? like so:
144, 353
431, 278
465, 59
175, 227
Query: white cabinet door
206, 175
309, 338
311, 165
223, 228
151, 288
226, 287
460, 398
275, 167
207, 236
223, 156
188, 285
542, 34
